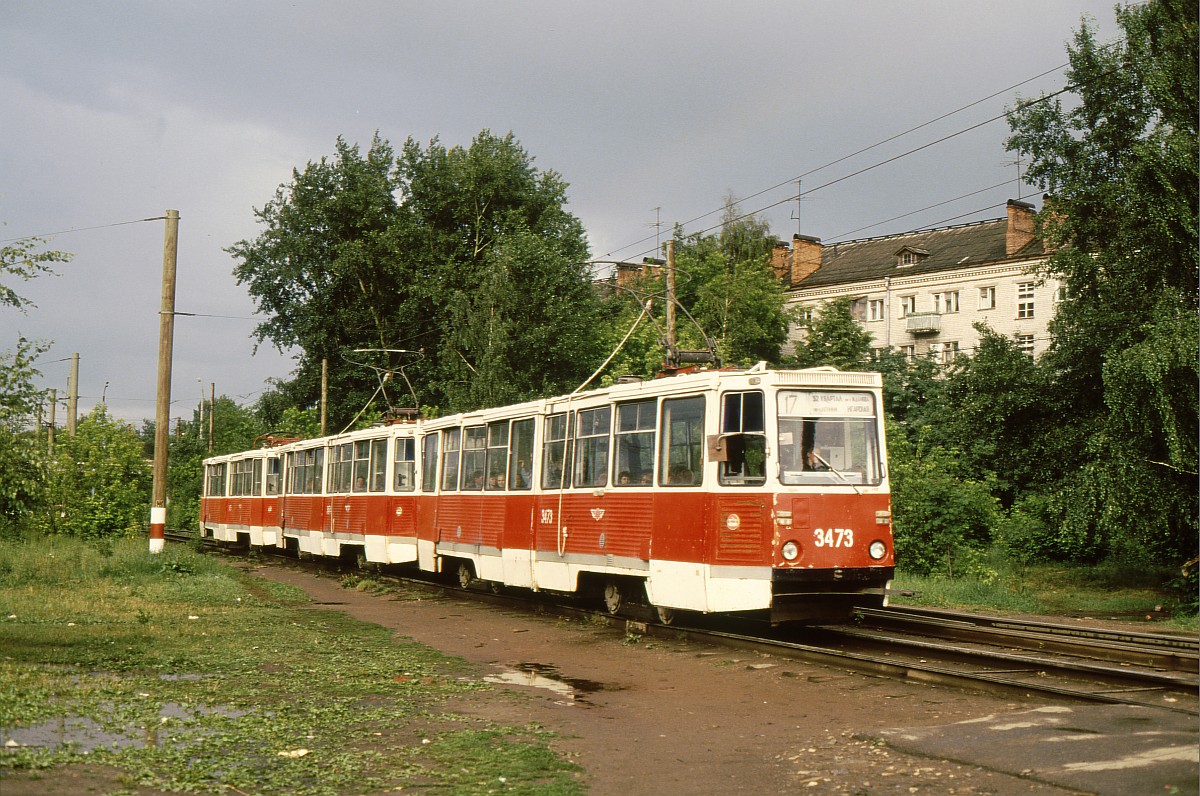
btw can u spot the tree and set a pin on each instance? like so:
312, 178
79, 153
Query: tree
326, 272
1122, 168
23, 260
730, 289
500, 263
99, 480
835, 338
22, 455
464, 258
22, 460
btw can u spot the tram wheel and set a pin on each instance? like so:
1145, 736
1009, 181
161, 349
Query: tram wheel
464, 575
612, 597
665, 616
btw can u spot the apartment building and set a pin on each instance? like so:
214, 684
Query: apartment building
921, 292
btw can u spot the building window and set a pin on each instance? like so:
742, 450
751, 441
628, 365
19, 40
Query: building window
944, 352
907, 258
945, 302
858, 309
804, 316
1025, 344
987, 298
1025, 300
875, 310
1060, 294
909, 351
908, 306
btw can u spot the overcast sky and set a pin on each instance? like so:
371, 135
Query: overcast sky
652, 111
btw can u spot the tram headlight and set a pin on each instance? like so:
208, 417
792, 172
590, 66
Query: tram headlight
790, 550
877, 550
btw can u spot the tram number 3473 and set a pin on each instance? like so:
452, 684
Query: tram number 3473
833, 537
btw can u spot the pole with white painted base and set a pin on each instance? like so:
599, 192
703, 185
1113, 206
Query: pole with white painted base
162, 415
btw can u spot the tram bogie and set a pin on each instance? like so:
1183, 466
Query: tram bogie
715, 492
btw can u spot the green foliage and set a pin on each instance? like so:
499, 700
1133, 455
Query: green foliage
99, 480
22, 454
835, 338
941, 516
459, 265
726, 283
1122, 164
23, 260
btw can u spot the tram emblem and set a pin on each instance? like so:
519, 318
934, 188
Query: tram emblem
597, 514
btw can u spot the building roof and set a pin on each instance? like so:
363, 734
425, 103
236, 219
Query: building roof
948, 248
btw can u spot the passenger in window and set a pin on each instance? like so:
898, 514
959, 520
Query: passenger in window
814, 461
523, 474
360, 484
680, 475
647, 478
476, 481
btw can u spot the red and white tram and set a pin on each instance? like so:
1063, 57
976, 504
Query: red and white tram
718, 492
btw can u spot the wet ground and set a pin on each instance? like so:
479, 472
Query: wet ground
653, 717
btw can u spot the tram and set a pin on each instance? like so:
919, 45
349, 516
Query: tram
721, 491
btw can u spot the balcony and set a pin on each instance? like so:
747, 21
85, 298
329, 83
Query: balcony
923, 322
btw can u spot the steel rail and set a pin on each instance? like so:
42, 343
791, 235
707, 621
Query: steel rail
1171, 653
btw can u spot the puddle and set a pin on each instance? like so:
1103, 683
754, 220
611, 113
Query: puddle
539, 675
87, 735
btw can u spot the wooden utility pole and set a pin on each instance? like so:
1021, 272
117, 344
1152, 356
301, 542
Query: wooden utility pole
162, 415
73, 395
324, 394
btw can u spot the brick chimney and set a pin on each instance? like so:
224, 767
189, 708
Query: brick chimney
1020, 230
806, 257
781, 264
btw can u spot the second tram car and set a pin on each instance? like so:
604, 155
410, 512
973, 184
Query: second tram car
717, 492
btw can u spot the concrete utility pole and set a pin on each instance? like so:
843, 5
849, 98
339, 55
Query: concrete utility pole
671, 297
50, 428
73, 395
324, 394
212, 413
162, 415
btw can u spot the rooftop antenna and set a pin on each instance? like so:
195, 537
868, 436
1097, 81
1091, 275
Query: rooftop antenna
1016, 163
796, 215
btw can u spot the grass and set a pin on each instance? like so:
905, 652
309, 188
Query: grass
1101, 592
213, 681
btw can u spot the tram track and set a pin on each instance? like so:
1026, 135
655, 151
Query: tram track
973, 652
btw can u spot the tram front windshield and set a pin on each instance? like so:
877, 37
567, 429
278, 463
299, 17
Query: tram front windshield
828, 438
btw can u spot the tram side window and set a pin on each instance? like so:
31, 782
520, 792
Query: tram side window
273, 475
378, 481
452, 438
216, 480
429, 460
362, 464
473, 453
306, 467
240, 482
743, 435
404, 470
256, 486
497, 455
633, 460
556, 451
520, 445
681, 460
341, 458
591, 450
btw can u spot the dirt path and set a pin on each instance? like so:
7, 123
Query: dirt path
673, 718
